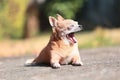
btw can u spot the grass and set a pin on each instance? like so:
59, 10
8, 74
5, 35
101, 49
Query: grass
97, 38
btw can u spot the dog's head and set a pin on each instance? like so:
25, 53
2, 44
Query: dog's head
65, 27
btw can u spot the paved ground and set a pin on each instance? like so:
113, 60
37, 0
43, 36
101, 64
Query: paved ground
99, 64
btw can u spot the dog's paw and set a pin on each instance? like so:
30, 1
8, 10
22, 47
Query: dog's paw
29, 62
77, 63
55, 65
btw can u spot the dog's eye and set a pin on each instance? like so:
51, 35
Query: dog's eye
72, 25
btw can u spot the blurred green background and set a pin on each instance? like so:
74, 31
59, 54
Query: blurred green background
24, 23
12, 17
13, 13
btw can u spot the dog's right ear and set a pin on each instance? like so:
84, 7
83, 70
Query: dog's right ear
59, 17
52, 21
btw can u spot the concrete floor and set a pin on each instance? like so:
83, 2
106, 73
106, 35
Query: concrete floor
99, 64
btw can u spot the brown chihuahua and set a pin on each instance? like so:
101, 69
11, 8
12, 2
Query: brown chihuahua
62, 47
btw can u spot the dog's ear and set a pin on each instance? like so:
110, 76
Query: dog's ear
59, 17
52, 21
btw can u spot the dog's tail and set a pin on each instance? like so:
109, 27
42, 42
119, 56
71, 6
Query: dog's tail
29, 62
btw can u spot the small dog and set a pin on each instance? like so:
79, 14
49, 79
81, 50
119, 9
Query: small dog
62, 47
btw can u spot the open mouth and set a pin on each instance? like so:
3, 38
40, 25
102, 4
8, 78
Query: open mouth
71, 37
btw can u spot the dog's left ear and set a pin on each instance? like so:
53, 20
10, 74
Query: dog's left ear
52, 21
59, 17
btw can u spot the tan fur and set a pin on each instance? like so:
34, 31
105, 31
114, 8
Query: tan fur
59, 50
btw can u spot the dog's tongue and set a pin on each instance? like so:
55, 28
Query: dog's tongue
72, 37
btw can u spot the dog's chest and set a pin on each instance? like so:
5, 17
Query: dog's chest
67, 59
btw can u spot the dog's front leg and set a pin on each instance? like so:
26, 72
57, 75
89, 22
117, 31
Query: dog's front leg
55, 61
76, 60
